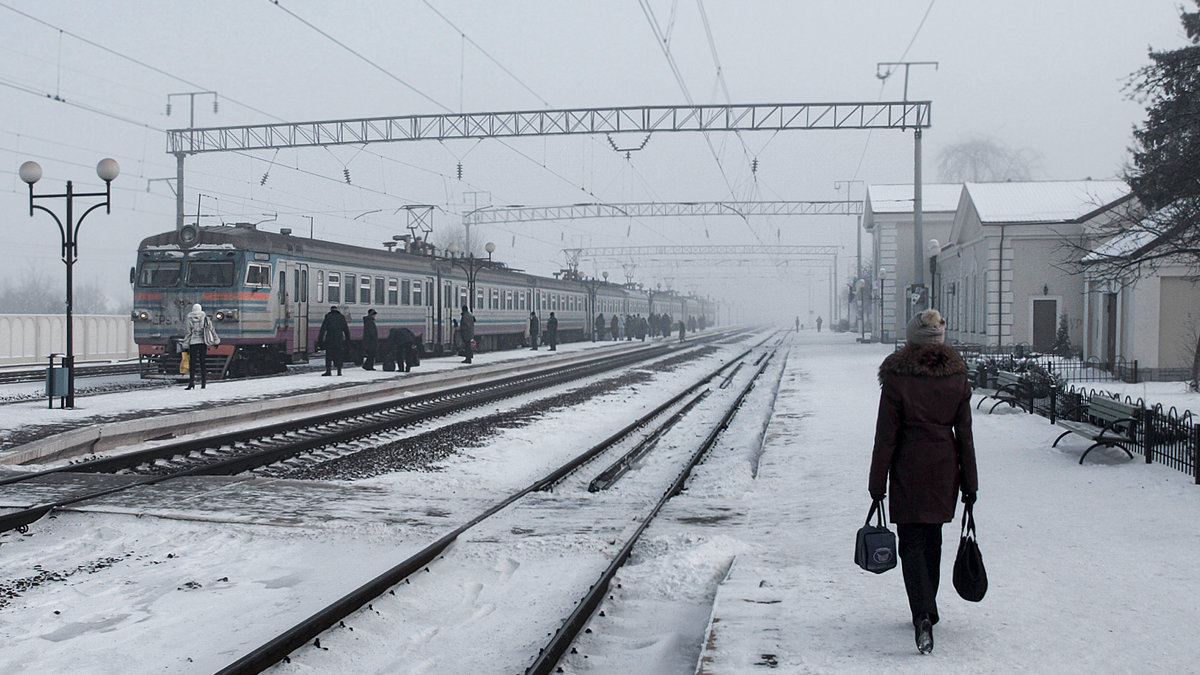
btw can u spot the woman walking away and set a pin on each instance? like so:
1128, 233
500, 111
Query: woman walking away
924, 452
200, 336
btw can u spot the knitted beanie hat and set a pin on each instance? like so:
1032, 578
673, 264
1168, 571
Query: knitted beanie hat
926, 328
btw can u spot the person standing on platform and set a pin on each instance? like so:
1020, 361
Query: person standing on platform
924, 455
200, 336
370, 340
615, 323
534, 325
466, 333
552, 332
682, 330
333, 337
818, 324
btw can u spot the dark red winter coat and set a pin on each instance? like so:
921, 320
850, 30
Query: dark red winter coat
924, 448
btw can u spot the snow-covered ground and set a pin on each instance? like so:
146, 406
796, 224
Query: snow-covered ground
1090, 566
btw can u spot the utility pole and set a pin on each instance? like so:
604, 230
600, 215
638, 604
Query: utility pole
918, 287
180, 155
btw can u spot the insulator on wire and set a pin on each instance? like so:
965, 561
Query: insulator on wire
168, 109
214, 106
754, 165
346, 173
264, 178
460, 170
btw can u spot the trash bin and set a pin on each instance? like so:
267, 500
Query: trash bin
56, 381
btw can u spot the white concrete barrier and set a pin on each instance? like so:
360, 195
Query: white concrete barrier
31, 338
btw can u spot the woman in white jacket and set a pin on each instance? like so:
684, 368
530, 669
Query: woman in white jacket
200, 334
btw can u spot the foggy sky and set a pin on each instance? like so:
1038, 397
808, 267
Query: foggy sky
1046, 77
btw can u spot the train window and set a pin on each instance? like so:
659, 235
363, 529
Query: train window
159, 274
350, 286
364, 290
462, 297
282, 287
417, 297
335, 288
447, 295
320, 285
258, 275
405, 292
393, 292
508, 300
496, 298
302, 285
479, 297
380, 294
210, 273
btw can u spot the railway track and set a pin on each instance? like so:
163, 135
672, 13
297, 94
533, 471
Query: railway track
235, 452
15, 376
640, 511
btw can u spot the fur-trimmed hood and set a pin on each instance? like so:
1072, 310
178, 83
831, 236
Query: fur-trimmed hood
930, 360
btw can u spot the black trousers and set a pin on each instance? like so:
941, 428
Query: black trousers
197, 353
920, 547
333, 358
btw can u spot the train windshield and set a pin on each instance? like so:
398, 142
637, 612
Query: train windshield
159, 274
210, 273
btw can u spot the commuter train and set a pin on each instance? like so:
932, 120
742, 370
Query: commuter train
268, 292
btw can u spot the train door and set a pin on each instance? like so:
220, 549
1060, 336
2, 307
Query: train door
298, 304
430, 308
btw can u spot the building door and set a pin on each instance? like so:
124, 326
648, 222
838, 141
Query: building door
1045, 311
1110, 330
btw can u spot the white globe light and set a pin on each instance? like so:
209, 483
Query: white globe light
31, 172
108, 169
489, 247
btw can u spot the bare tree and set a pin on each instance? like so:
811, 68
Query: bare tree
982, 159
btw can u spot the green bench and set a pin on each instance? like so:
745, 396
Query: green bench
1115, 425
1012, 389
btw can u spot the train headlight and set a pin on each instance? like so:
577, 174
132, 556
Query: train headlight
140, 315
227, 315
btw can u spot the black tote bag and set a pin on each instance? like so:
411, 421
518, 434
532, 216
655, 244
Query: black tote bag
875, 545
970, 578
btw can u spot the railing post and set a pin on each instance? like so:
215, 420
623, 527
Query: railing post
1053, 402
1196, 453
1148, 421
1135, 371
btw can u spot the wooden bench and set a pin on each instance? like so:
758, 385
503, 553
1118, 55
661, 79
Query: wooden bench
1012, 389
1116, 425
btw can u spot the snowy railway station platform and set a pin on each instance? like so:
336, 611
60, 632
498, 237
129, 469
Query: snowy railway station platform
1091, 567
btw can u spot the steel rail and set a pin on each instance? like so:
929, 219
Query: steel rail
278, 648
549, 655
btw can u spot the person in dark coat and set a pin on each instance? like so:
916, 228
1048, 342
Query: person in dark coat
600, 327
924, 454
466, 332
818, 324
615, 323
401, 350
534, 326
682, 330
370, 340
332, 337
552, 332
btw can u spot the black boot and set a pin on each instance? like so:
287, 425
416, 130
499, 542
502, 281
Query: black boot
924, 635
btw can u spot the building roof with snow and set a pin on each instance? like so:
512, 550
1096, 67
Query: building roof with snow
1044, 201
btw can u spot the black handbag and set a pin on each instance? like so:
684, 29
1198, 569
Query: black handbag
875, 546
970, 578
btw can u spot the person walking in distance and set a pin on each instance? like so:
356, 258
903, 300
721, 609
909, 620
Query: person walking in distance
332, 337
466, 332
200, 336
819, 324
552, 332
370, 340
534, 325
924, 455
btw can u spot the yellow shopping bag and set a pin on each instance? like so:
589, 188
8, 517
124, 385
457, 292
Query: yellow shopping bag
185, 363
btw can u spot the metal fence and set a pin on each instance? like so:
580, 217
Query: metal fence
1167, 436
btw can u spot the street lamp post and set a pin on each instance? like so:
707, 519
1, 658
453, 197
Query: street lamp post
471, 266
31, 172
592, 284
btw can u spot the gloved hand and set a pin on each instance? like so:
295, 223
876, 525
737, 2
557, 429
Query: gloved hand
968, 498
878, 497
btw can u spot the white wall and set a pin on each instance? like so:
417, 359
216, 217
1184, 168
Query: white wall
31, 338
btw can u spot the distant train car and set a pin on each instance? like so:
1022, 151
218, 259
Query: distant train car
268, 293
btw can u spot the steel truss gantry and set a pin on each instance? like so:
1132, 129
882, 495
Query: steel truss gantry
524, 214
639, 119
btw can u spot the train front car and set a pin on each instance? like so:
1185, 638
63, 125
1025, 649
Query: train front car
230, 278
